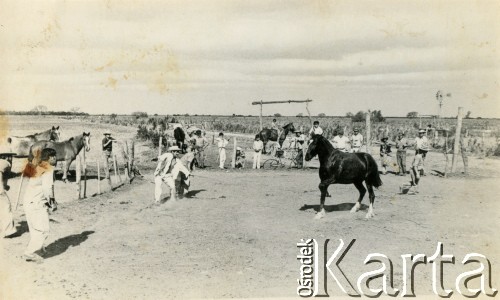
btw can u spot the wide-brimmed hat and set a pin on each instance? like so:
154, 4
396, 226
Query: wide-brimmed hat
297, 131
238, 148
107, 133
355, 129
385, 138
421, 131
174, 148
6, 151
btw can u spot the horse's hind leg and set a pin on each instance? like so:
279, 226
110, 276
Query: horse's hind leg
323, 187
362, 192
371, 194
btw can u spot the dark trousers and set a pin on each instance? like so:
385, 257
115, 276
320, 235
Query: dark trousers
299, 158
401, 158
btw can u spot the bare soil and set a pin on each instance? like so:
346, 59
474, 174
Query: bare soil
234, 235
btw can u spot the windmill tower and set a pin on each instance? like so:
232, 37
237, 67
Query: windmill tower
439, 98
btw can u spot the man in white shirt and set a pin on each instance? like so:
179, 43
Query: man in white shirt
356, 141
298, 143
421, 142
168, 169
340, 142
257, 148
315, 130
221, 144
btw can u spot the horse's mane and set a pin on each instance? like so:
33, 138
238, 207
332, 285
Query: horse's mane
321, 140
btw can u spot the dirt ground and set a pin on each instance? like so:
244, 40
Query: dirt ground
234, 235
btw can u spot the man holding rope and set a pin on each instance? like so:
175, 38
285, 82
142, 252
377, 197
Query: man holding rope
169, 170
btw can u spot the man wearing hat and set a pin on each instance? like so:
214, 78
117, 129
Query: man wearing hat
240, 158
298, 143
416, 167
401, 145
315, 130
385, 153
221, 144
200, 144
257, 147
356, 141
421, 142
6, 220
340, 141
168, 170
107, 149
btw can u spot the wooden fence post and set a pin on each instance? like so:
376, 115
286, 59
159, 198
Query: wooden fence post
456, 145
368, 133
98, 178
131, 154
116, 169
304, 151
78, 175
446, 154
233, 162
84, 175
160, 145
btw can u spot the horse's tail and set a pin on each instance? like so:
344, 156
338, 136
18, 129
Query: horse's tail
373, 177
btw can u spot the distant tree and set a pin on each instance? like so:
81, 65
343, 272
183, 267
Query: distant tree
140, 114
39, 109
359, 116
321, 115
376, 116
412, 115
349, 115
300, 115
277, 115
113, 116
75, 109
467, 116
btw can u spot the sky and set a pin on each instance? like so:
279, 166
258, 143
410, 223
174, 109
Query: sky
216, 57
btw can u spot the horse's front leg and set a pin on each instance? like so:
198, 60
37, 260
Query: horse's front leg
323, 187
65, 171
371, 194
362, 192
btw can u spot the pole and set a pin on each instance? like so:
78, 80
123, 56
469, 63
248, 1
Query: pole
19, 190
260, 116
446, 153
98, 178
233, 163
84, 175
368, 133
117, 175
304, 151
159, 145
456, 145
131, 154
78, 175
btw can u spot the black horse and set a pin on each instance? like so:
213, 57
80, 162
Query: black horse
344, 168
180, 139
267, 134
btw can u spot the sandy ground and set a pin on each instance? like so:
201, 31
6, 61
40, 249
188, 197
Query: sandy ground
234, 235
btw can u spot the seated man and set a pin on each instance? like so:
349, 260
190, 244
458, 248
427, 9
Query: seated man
340, 142
240, 159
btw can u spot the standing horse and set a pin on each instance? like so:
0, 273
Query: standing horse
272, 135
344, 168
22, 145
66, 151
180, 139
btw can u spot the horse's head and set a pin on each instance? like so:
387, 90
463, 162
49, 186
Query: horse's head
55, 135
312, 150
289, 127
86, 141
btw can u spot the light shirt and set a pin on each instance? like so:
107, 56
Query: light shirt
258, 146
298, 142
357, 140
316, 131
200, 142
40, 187
340, 142
402, 144
222, 143
421, 143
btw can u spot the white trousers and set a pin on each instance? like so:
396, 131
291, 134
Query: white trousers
222, 157
169, 180
37, 218
256, 159
6, 219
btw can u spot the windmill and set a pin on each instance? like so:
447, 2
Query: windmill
439, 98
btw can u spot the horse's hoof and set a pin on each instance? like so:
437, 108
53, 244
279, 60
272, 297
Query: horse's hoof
370, 215
319, 215
355, 208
